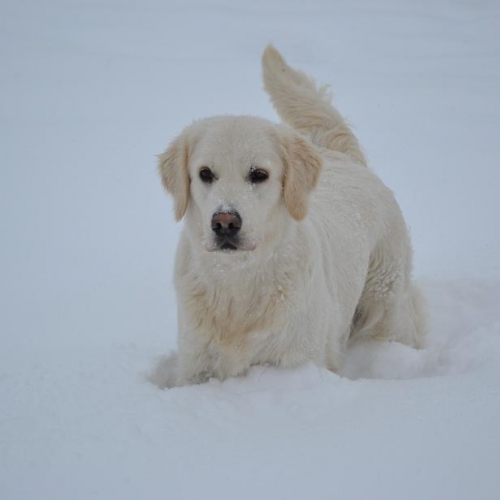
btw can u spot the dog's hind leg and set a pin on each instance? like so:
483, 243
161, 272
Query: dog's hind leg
307, 108
391, 307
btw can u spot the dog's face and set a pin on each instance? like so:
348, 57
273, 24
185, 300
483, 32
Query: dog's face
238, 179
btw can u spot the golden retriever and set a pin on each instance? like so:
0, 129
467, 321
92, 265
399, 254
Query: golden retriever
290, 245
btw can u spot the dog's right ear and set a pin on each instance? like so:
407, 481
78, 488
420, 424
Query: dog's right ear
173, 168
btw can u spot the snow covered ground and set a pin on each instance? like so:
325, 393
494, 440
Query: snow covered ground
91, 91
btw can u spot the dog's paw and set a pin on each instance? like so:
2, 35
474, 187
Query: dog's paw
165, 373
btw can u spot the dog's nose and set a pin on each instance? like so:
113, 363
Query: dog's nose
226, 224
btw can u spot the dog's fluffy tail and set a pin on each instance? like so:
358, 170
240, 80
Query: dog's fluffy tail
307, 108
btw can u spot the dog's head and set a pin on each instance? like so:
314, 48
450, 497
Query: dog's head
237, 178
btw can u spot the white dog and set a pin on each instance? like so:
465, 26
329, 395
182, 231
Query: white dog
290, 246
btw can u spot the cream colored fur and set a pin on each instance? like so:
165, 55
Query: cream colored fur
324, 254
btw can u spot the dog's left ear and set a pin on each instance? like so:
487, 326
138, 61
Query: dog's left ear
173, 168
302, 169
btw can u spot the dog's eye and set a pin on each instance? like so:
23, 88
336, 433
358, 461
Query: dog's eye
206, 175
257, 175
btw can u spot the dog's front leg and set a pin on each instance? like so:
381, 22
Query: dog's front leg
201, 358
196, 359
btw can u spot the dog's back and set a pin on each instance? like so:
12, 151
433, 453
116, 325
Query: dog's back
390, 305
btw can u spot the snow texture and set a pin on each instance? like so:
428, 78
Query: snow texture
90, 92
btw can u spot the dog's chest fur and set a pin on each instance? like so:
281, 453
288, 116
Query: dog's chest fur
227, 306
224, 310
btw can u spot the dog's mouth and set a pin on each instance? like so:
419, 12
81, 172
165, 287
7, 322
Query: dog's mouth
227, 244
230, 245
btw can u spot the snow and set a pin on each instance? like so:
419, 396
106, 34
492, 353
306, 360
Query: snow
91, 91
